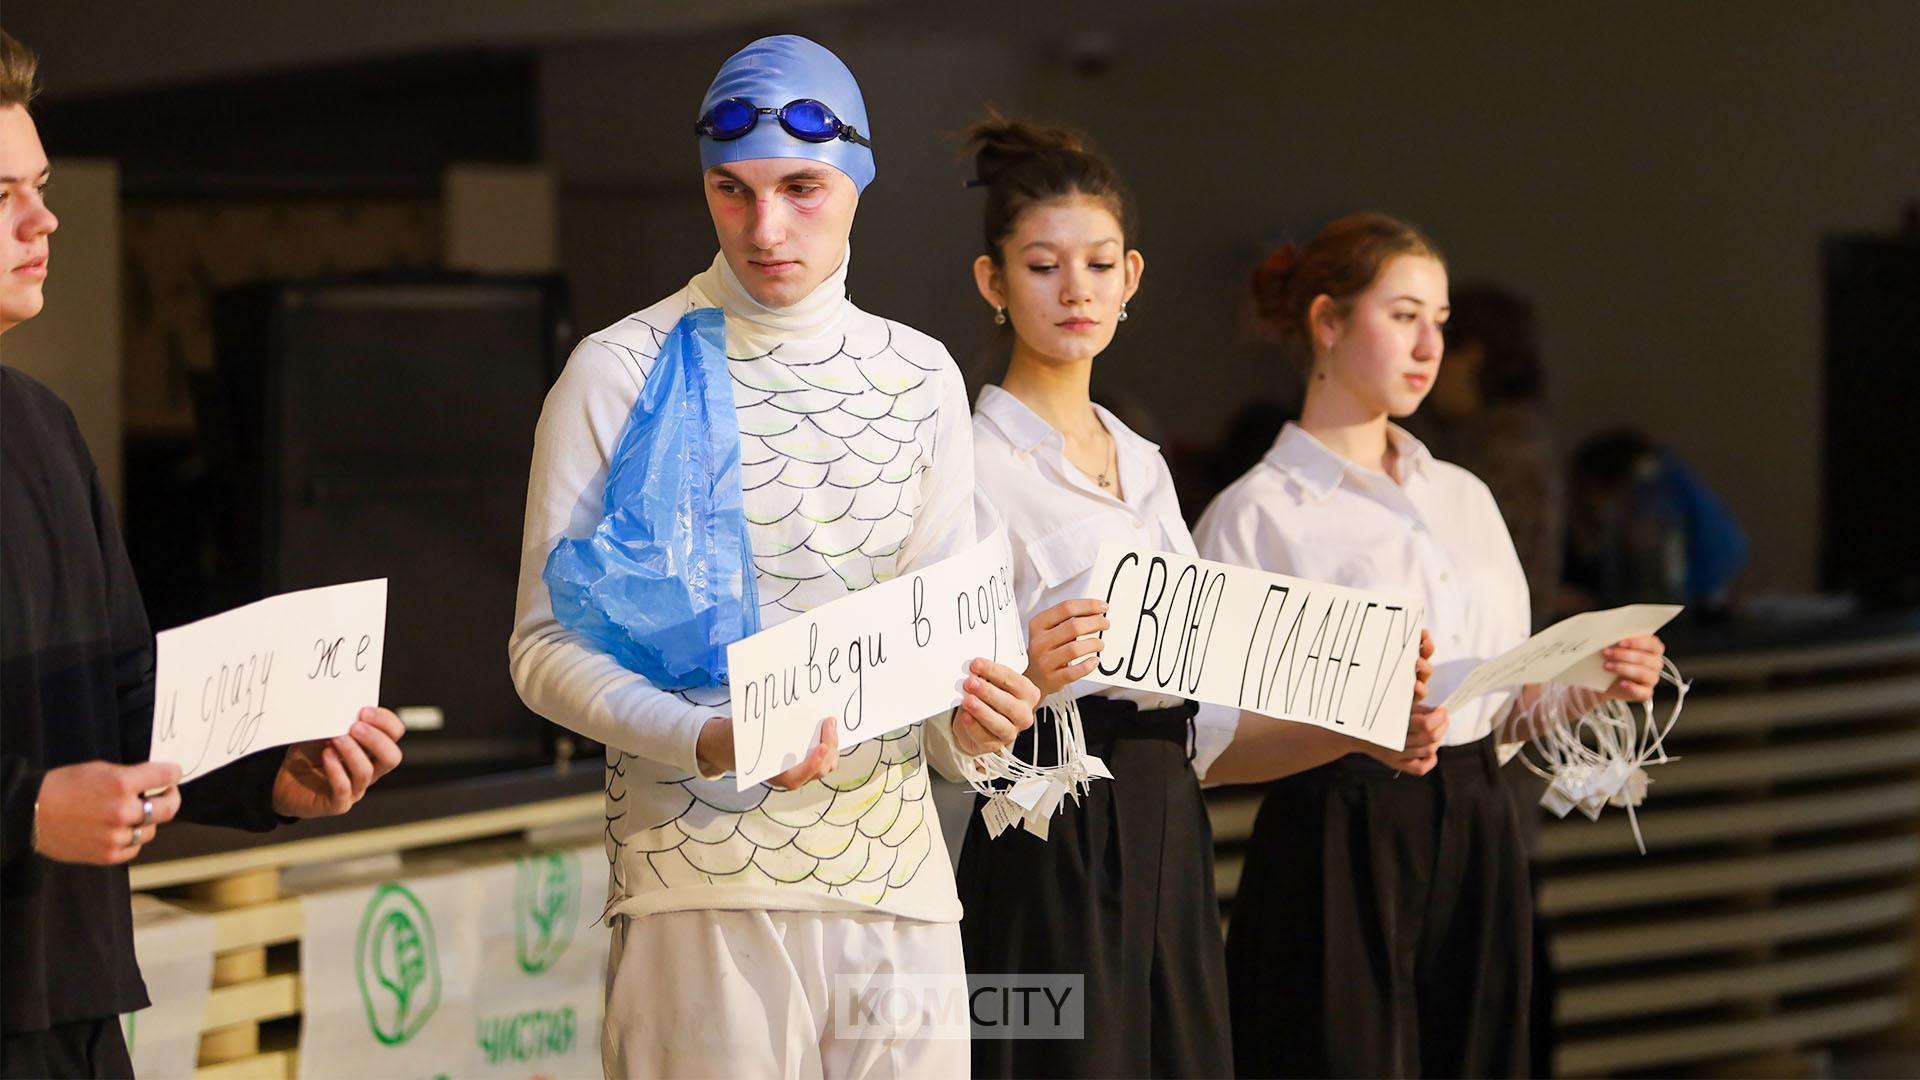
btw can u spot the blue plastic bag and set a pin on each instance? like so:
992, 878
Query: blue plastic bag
665, 583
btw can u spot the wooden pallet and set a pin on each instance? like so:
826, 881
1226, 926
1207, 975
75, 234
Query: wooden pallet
249, 1031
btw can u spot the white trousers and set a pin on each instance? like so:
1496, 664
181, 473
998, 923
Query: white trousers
786, 995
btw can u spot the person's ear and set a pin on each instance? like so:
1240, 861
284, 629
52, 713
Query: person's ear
1323, 322
1136, 267
988, 279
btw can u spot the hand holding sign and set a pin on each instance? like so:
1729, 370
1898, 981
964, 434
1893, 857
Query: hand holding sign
998, 706
100, 813
327, 776
1426, 724
715, 754
1635, 663
1063, 643
1423, 666
1426, 734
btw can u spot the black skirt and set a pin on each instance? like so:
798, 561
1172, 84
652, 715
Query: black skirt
1383, 925
1122, 893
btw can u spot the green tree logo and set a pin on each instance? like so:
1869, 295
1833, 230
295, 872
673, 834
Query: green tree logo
547, 908
397, 965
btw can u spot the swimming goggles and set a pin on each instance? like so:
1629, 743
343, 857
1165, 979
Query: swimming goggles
804, 119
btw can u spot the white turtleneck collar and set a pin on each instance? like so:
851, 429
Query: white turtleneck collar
753, 328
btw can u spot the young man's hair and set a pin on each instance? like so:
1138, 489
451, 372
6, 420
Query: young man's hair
17, 70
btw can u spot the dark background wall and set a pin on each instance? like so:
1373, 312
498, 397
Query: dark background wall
1657, 177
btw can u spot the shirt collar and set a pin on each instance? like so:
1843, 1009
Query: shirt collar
1025, 430
1319, 470
1414, 455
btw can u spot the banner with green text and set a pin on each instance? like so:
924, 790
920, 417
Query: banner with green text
543, 966
495, 970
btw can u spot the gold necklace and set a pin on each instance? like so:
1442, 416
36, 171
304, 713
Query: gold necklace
1113, 458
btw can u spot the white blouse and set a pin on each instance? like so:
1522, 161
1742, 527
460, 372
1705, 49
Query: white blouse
1306, 511
1057, 517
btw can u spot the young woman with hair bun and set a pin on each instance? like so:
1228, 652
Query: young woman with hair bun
1382, 926
1121, 890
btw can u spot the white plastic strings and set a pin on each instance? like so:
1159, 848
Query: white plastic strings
1598, 758
1021, 792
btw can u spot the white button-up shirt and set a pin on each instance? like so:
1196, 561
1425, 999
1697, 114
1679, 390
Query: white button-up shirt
1437, 535
1057, 518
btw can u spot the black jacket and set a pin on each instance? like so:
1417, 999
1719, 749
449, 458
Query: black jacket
76, 684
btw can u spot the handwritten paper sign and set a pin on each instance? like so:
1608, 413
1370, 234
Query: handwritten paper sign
1566, 652
877, 660
285, 669
1299, 650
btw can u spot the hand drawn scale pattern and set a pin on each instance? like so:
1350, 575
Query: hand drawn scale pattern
833, 440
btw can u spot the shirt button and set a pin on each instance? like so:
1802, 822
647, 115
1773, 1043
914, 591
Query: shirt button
1138, 524
1444, 576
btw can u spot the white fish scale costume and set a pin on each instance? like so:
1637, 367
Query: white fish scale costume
856, 464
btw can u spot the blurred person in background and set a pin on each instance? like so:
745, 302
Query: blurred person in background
1487, 413
1643, 526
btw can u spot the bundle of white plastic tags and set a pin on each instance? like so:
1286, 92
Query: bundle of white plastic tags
1027, 794
1600, 757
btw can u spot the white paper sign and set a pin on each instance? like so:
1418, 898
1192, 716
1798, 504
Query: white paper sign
1566, 652
1327, 655
877, 660
175, 949
287, 669
387, 979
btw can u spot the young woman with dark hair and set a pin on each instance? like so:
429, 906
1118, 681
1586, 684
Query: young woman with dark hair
1121, 890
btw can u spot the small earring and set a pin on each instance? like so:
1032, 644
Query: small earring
999, 315
1123, 311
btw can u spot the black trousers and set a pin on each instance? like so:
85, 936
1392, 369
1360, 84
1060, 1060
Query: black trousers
1122, 893
1383, 926
88, 1048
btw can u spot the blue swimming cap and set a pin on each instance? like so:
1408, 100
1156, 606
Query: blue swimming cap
773, 71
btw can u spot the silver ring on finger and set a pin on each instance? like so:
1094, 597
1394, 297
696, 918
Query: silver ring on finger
134, 840
146, 812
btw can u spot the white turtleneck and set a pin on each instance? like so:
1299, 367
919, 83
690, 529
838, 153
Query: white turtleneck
754, 328
856, 465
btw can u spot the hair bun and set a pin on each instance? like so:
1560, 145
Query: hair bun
1270, 281
1001, 142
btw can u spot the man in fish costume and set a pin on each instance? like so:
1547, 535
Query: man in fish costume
739, 917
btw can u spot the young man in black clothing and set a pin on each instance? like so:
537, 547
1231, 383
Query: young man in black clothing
76, 697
